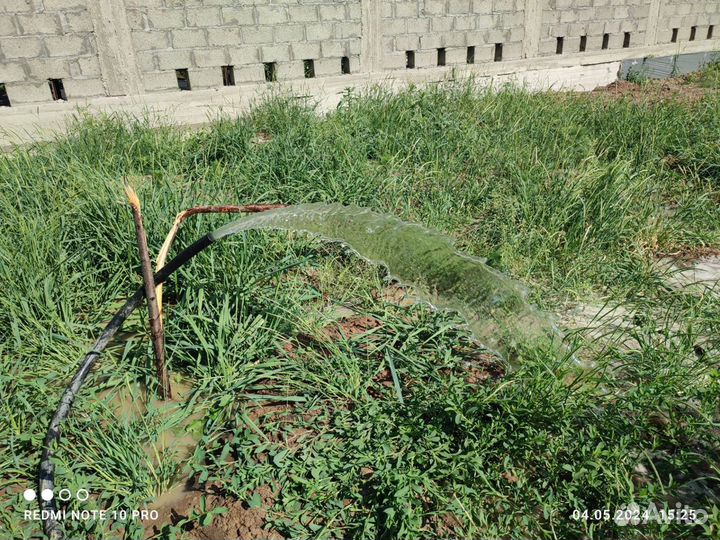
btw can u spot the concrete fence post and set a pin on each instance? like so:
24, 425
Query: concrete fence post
533, 27
116, 54
652, 23
372, 36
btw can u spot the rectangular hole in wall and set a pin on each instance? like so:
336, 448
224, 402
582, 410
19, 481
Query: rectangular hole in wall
470, 58
4, 99
674, 37
441, 56
345, 65
711, 30
583, 43
309, 68
57, 89
559, 44
498, 52
410, 59
228, 75
183, 78
626, 40
606, 41
693, 32
270, 71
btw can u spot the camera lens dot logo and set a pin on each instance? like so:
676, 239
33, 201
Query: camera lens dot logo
64, 494
29, 495
47, 494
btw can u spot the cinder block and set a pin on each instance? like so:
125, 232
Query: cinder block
348, 30
442, 24
434, 7
137, 19
242, 55
303, 13
77, 21
289, 32
325, 67
160, 81
394, 61
89, 66
305, 51
28, 92
21, 47
459, 6
354, 47
190, 37
512, 51
238, 15
146, 60
271, 14
250, 74
455, 39
408, 42
464, 23
69, 45
147, 41
482, 6
166, 18
431, 41
425, 58
332, 12
80, 88
483, 21
218, 37
504, 5
263, 34
41, 69
333, 49
167, 60
394, 27
274, 53
206, 78
355, 12
11, 72
7, 26
288, 71
203, 17
141, 4
456, 55
406, 10
319, 31
209, 57
39, 23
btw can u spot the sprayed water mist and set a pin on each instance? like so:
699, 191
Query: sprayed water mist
494, 305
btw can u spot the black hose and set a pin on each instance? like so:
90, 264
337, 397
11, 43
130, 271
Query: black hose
46, 473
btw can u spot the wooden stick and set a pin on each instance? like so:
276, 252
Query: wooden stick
182, 216
156, 329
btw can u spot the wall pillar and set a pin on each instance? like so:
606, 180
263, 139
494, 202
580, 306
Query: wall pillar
116, 55
533, 28
652, 23
372, 36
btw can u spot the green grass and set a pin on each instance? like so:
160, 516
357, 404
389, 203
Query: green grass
575, 196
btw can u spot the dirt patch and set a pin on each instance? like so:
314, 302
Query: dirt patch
238, 521
350, 327
652, 91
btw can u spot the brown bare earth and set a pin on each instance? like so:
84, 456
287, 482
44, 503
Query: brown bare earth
238, 522
683, 89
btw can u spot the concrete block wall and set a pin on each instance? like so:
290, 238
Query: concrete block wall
683, 16
47, 39
425, 26
203, 36
134, 47
573, 20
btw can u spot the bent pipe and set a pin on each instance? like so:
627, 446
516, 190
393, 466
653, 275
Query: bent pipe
46, 473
